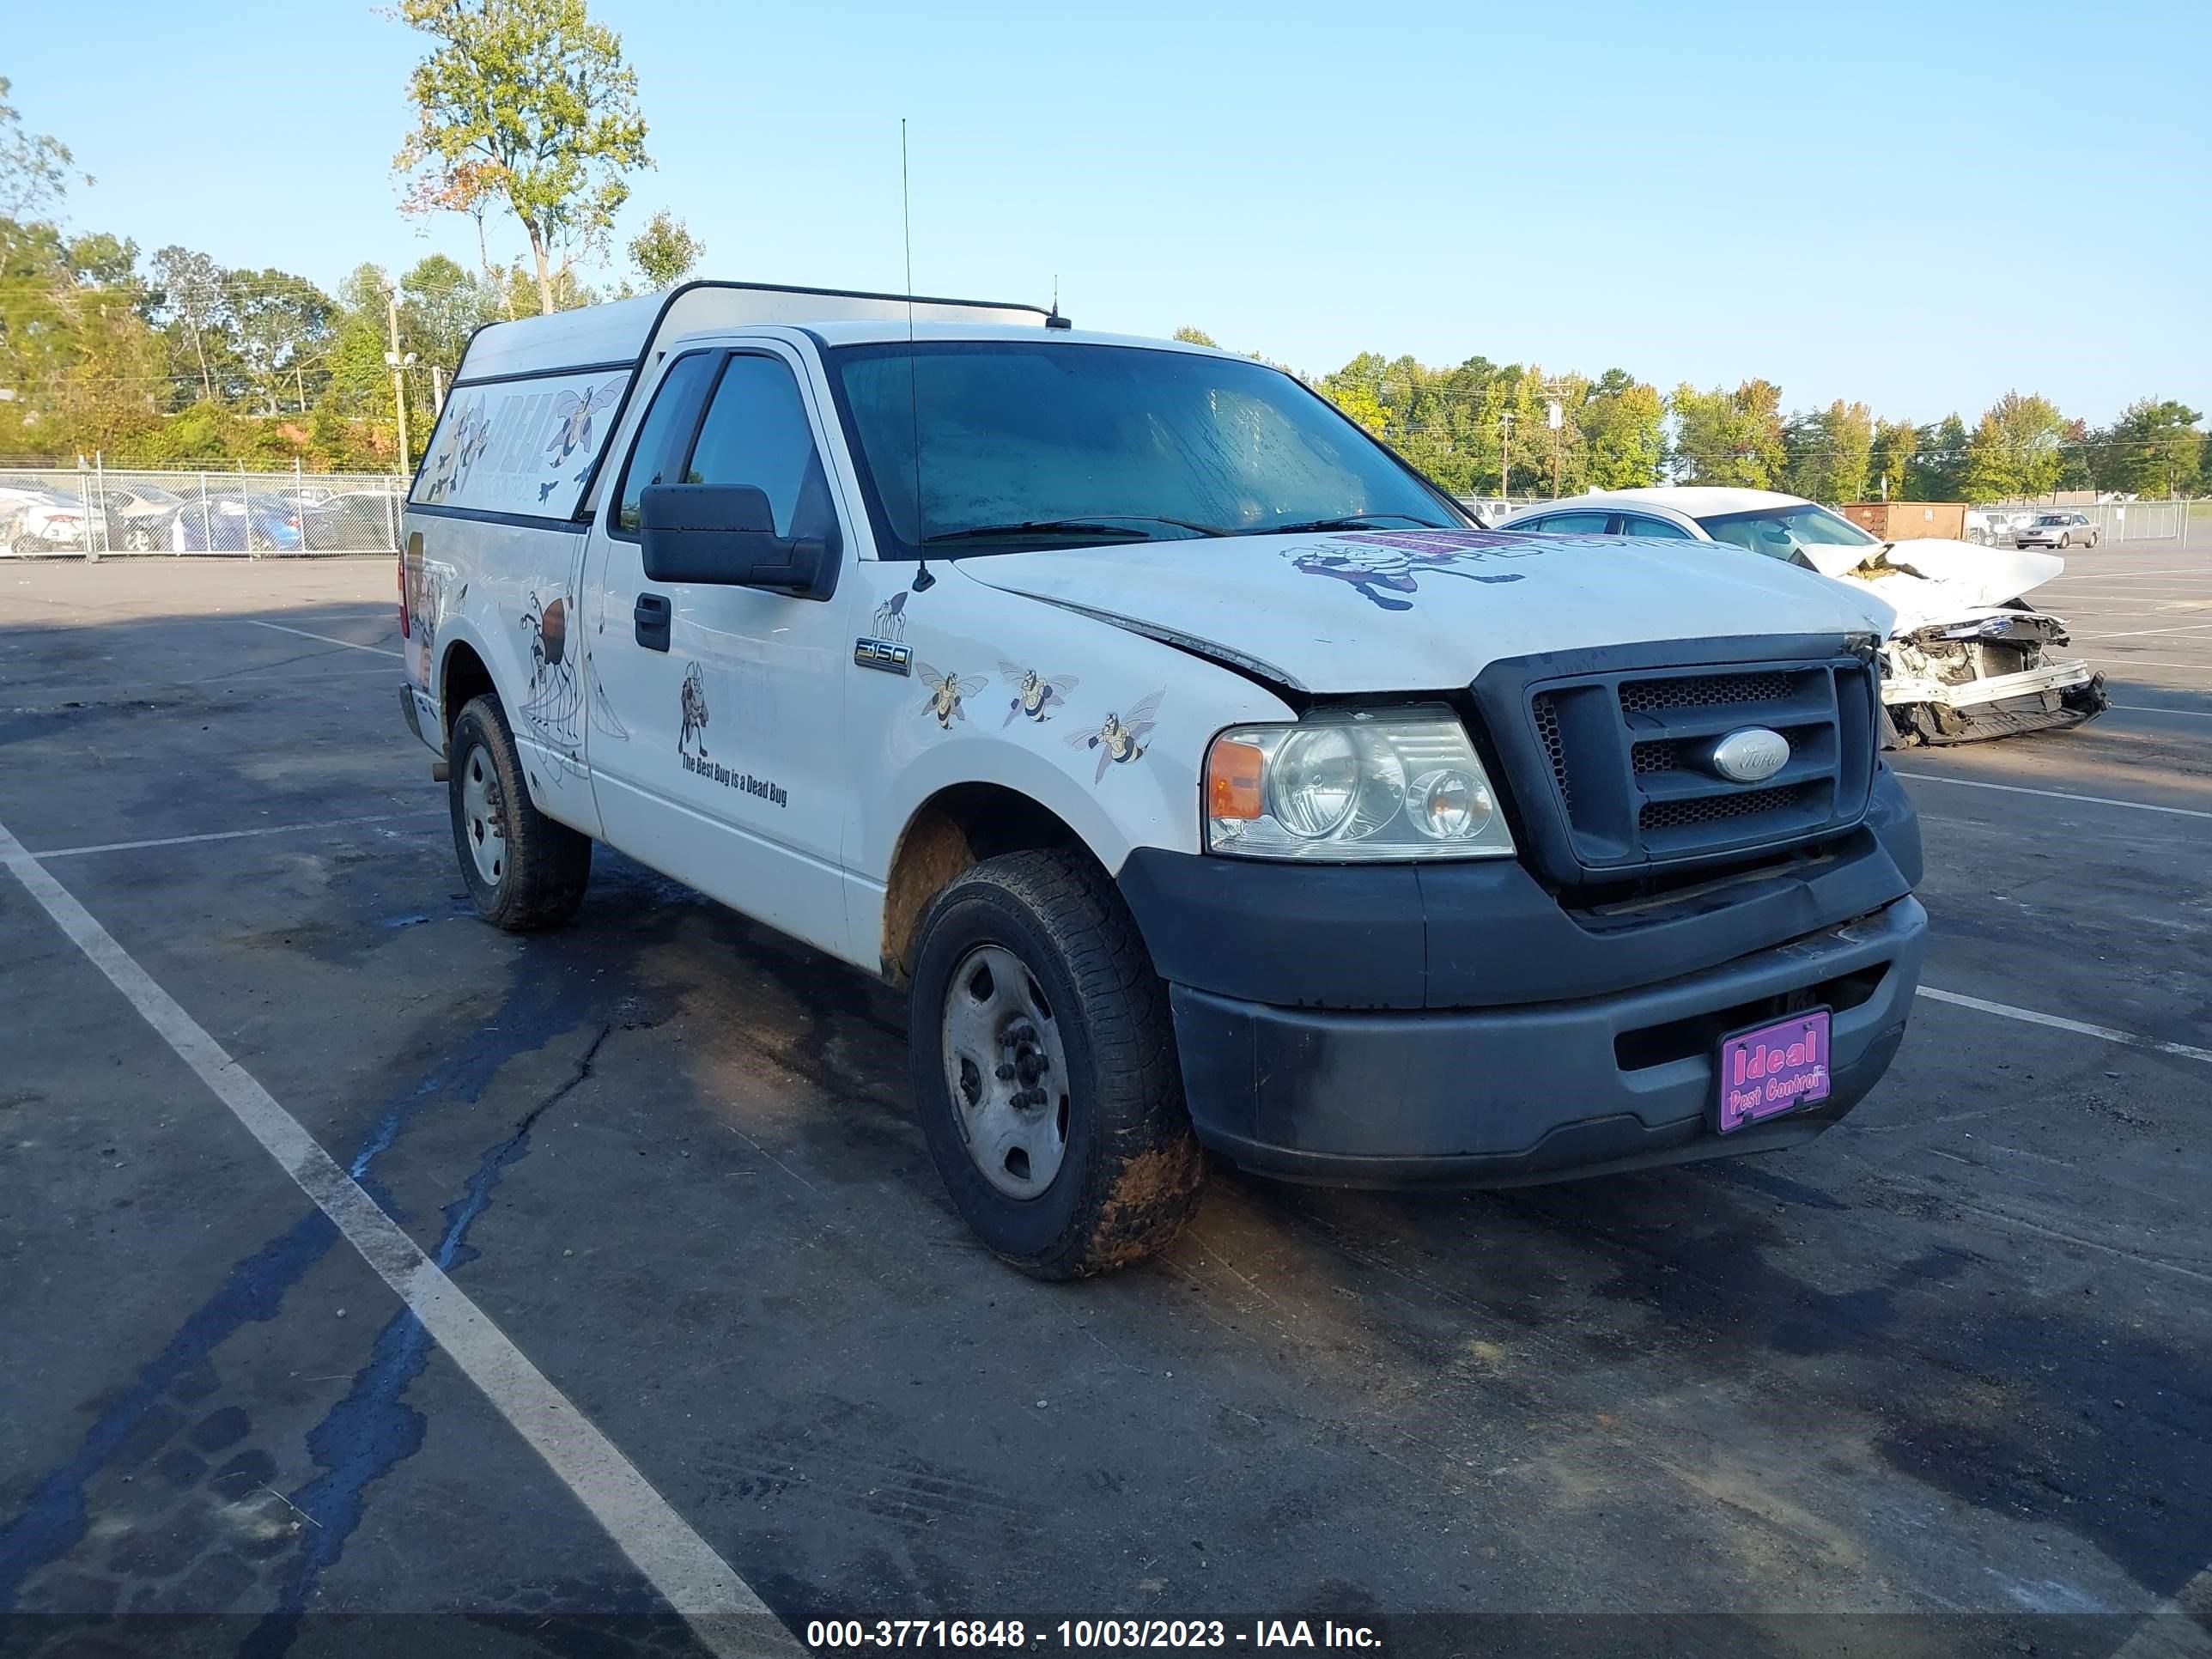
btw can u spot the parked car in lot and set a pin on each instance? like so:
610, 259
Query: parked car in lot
1203, 776
35, 519
1965, 657
2058, 530
138, 517
230, 524
352, 521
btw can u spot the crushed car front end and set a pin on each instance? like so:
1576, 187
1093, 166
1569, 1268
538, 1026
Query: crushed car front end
1988, 676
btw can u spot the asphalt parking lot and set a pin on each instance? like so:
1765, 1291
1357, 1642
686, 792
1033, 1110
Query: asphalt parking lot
1943, 1372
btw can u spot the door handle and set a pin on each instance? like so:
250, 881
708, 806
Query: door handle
652, 614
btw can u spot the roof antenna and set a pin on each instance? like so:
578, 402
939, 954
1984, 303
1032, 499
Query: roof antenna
923, 581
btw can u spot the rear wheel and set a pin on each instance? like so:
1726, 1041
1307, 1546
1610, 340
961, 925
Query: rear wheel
525, 871
1044, 1068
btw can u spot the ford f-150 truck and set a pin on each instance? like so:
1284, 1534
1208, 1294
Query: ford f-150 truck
1207, 778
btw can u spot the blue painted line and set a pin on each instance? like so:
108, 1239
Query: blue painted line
54, 1520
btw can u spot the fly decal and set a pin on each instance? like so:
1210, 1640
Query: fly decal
1035, 695
945, 691
890, 617
1120, 738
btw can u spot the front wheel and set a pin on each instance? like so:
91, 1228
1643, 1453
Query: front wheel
2065, 542
525, 871
1045, 1071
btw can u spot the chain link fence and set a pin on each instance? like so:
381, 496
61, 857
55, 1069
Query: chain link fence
94, 512
2113, 521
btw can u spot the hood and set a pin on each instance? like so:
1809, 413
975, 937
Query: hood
1418, 611
1928, 580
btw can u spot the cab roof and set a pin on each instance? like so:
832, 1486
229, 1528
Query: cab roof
621, 332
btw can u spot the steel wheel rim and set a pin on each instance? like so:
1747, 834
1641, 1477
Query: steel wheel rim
483, 821
1006, 1069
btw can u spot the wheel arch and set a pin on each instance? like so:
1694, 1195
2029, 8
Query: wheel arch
959, 826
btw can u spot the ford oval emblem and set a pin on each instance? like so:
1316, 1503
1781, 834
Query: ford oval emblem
1750, 756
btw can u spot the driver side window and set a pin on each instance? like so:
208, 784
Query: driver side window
756, 432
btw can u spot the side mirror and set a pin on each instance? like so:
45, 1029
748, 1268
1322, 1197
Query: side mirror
725, 533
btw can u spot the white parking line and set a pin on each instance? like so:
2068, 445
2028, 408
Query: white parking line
721, 1608
2128, 1039
326, 638
218, 835
2056, 794
2127, 634
2145, 708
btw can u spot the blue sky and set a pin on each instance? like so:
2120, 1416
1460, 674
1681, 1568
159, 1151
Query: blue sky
1919, 205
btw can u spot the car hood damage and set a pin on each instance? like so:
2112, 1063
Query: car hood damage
1417, 611
1928, 580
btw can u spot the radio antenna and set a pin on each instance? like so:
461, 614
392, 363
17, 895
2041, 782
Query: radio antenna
923, 581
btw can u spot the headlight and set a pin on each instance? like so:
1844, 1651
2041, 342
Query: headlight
1358, 786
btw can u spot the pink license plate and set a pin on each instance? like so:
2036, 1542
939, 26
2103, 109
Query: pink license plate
1774, 1068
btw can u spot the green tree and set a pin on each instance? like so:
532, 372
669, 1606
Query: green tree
2016, 451
1828, 452
75, 346
2154, 448
1197, 337
440, 305
1939, 462
1359, 402
1624, 430
666, 251
1728, 437
190, 294
35, 169
283, 325
527, 102
1890, 461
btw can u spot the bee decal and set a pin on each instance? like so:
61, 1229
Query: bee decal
1120, 738
1035, 695
945, 691
572, 419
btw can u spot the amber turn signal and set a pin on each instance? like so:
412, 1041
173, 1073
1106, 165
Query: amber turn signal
1232, 781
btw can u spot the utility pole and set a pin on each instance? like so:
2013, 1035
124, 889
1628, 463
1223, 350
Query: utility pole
1555, 417
437, 390
1505, 454
400, 364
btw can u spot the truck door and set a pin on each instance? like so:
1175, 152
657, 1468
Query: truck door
715, 747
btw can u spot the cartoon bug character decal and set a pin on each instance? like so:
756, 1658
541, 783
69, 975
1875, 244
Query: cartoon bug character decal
945, 691
1379, 573
695, 712
572, 419
1120, 738
548, 629
890, 621
1036, 694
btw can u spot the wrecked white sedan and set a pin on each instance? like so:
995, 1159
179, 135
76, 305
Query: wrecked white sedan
1967, 657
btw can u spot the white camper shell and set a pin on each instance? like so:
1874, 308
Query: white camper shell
1207, 777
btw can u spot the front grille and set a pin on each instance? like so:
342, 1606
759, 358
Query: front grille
1701, 691
1630, 756
1717, 809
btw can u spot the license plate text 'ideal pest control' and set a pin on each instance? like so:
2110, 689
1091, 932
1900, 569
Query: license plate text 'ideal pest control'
1773, 1068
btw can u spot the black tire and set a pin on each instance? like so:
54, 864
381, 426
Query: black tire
1132, 1170
2065, 542
545, 864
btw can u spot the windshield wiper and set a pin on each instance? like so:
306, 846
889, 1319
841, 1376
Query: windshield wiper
1104, 524
1349, 521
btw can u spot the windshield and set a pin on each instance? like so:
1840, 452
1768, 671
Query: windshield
2053, 518
1779, 531
1028, 444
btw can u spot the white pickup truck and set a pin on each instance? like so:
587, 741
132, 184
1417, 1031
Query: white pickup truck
1207, 778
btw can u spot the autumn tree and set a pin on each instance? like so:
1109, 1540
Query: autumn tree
1728, 437
2016, 451
666, 251
527, 103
